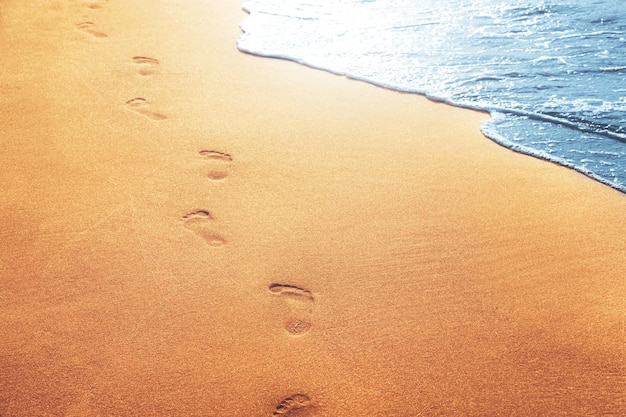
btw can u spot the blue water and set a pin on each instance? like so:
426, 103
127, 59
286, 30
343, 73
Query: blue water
551, 73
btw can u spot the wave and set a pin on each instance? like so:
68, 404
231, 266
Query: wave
544, 63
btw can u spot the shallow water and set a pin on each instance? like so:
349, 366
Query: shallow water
552, 74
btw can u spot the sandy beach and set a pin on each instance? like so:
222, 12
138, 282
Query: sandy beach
188, 230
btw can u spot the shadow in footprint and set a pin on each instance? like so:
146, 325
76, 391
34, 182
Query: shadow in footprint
300, 302
90, 28
218, 164
291, 403
142, 106
146, 65
201, 222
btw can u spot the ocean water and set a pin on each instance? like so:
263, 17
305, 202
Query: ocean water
552, 74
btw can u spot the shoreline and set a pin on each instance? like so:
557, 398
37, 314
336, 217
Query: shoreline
498, 139
488, 128
494, 137
190, 230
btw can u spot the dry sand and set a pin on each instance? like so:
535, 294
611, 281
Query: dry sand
191, 231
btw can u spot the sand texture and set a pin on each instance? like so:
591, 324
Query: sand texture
189, 231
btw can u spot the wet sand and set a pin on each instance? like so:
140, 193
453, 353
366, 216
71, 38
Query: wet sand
188, 230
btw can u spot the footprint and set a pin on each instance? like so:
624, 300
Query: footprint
146, 65
95, 4
90, 28
218, 164
201, 222
142, 106
293, 402
300, 303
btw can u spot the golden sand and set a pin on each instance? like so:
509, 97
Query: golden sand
191, 231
